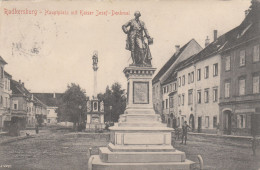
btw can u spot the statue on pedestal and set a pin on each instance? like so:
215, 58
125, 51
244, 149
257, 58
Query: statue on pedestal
137, 43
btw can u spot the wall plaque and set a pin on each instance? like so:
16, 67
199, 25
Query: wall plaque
141, 92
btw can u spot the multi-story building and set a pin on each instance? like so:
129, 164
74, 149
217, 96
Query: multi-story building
6, 96
20, 96
198, 88
52, 101
240, 74
161, 90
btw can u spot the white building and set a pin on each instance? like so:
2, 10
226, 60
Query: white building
198, 88
161, 87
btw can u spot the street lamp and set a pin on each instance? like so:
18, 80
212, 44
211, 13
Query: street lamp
80, 114
110, 108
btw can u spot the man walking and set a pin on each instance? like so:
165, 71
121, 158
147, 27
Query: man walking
184, 132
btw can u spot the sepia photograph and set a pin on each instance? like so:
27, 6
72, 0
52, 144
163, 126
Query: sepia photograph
130, 85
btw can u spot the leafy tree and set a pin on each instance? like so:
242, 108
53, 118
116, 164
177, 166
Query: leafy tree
73, 105
113, 97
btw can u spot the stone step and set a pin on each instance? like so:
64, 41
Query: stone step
97, 164
140, 148
140, 157
141, 124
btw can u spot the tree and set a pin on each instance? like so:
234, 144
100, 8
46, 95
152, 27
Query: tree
113, 97
73, 105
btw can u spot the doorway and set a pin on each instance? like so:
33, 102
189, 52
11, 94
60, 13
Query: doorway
227, 122
199, 124
191, 122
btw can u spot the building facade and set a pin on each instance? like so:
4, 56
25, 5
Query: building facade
161, 86
240, 94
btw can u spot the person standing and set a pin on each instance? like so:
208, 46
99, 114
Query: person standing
184, 132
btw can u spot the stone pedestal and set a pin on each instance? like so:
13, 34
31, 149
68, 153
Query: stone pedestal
139, 140
95, 115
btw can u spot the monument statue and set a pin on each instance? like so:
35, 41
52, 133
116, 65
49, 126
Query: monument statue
137, 43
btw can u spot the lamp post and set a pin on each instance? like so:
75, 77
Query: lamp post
80, 114
110, 108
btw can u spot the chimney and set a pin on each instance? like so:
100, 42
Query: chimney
207, 41
54, 95
19, 81
215, 35
23, 84
177, 48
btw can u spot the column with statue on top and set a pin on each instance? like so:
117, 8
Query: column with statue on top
95, 107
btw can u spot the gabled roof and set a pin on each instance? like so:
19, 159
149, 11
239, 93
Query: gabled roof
2, 60
19, 89
247, 30
171, 78
48, 98
169, 63
7, 74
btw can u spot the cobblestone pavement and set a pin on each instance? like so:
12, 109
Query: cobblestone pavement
63, 150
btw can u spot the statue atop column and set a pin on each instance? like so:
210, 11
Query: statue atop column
138, 43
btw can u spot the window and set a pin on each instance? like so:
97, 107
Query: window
215, 94
190, 97
183, 80
199, 96
206, 72
198, 74
179, 81
206, 95
206, 121
178, 122
215, 122
227, 89
255, 84
171, 102
227, 63
256, 53
174, 86
2, 72
179, 100
242, 84
241, 121
189, 78
170, 87
163, 104
166, 103
6, 101
15, 105
215, 69
192, 77
182, 99
242, 58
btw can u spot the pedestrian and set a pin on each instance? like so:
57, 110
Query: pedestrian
36, 128
184, 132
254, 143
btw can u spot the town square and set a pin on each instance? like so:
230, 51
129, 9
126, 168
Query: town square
168, 85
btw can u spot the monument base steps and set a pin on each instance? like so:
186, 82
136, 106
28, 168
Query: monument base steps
98, 164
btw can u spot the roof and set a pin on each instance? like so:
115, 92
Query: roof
171, 78
168, 64
249, 29
7, 74
2, 60
19, 89
48, 98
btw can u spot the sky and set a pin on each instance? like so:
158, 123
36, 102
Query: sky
47, 51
